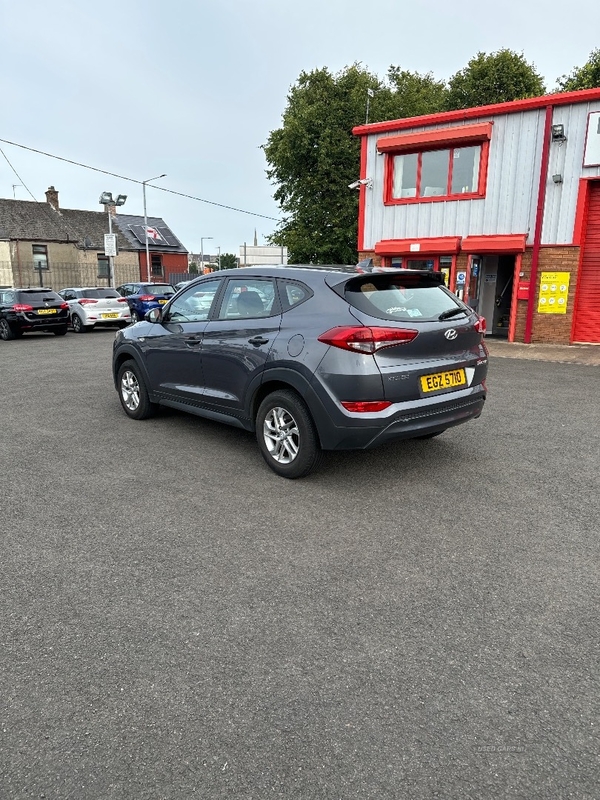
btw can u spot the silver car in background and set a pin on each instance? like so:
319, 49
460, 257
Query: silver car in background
90, 306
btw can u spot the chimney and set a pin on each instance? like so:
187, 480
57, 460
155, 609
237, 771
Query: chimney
52, 198
110, 209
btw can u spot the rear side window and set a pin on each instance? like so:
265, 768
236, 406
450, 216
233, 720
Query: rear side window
292, 294
400, 298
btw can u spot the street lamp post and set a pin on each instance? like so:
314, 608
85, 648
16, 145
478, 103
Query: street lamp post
219, 258
202, 238
106, 200
146, 223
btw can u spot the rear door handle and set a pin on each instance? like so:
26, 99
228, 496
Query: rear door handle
258, 340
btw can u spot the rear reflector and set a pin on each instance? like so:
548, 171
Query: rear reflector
363, 407
366, 340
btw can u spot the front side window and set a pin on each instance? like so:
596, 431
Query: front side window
40, 256
451, 172
194, 304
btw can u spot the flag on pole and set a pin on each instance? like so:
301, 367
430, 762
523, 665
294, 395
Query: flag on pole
153, 234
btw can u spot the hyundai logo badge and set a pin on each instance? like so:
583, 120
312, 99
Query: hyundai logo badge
450, 333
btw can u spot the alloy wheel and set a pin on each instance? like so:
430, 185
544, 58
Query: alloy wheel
281, 435
130, 390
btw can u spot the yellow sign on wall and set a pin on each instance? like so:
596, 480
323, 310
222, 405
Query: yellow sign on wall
554, 292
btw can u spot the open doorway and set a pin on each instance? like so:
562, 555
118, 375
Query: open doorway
491, 290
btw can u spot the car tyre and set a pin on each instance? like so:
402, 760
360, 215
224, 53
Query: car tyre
135, 317
78, 326
287, 436
62, 331
6, 332
133, 393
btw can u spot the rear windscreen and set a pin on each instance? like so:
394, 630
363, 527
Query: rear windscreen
100, 293
39, 296
395, 297
160, 288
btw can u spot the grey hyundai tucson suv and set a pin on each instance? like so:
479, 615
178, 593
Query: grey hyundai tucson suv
309, 359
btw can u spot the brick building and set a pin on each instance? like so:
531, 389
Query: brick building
504, 199
45, 244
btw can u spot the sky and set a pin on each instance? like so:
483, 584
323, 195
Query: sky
193, 89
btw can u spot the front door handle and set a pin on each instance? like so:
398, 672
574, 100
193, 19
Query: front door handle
193, 341
258, 340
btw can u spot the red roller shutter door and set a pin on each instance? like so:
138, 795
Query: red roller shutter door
587, 312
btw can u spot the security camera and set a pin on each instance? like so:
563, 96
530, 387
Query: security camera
363, 182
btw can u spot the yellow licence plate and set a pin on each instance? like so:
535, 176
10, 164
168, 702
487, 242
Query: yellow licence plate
46, 311
162, 302
109, 316
443, 380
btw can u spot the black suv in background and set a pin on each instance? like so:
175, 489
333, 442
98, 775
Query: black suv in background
32, 310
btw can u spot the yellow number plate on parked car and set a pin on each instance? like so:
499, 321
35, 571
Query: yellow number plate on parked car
109, 316
46, 311
162, 302
443, 380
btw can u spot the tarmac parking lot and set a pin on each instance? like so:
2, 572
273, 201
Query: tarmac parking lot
416, 621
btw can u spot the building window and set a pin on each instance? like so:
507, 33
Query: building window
103, 267
156, 264
453, 172
40, 256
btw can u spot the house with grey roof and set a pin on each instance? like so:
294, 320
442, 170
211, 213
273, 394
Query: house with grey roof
44, 244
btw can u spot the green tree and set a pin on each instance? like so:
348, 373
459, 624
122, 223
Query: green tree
193, 268
495, 78
314, 156
586, 77
228, 261
415, 94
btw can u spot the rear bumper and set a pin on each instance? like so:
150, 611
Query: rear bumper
359, 433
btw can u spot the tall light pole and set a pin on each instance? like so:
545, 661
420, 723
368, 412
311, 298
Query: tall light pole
164, 175
106, 200
218, 258
202, 238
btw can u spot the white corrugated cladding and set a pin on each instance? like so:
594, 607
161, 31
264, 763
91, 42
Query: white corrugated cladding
566, 159
510, 204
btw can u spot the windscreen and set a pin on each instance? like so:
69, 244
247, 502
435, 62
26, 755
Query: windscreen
401, 298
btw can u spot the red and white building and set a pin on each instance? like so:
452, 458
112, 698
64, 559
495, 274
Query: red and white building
504, 199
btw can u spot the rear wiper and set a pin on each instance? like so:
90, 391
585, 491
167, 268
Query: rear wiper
452, 312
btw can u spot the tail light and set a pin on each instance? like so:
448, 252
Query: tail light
146, 297
63, 306
22, 307
366, 407
480, 325
86, 301
121, 300
366, 340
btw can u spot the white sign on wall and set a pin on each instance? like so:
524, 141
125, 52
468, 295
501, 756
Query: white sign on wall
591, 156
110, 244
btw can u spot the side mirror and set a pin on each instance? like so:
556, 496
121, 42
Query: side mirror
154, 315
